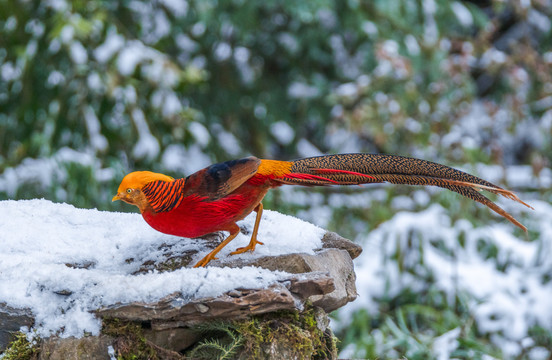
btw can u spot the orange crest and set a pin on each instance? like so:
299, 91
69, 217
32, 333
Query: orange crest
138, 179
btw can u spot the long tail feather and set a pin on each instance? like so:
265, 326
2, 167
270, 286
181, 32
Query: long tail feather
353, 169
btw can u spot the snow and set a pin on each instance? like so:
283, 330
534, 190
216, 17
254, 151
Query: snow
539, 20
446, 344
200, 133
147, 145
129, 57
67, 33
177, 7
369, 28
78, 53
94, 82
93, 125
33, 26
283, 133
347, 90
260, 111
228, 142
517, 176
222, 51
42, 238
10, 24
198, 29
299, 90
185, 43
350, 64
55, 78
171, 104
242, 56
9, 72
31, 48
113, 43
412, 45
510, 289
167, 101
327, 18
153, 64
161, 25
431, 32
493, 56
59, 5
343, 141
462, 13
195, 159
44, 171
289, 42
306, 149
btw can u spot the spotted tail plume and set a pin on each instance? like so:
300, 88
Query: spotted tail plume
353, 169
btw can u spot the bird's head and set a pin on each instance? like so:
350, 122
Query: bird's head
130, 190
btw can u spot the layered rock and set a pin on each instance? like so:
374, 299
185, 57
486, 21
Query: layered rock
319, 282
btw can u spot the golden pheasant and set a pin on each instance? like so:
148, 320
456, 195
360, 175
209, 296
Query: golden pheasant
215, 198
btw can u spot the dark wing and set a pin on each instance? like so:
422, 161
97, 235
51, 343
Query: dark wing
219, 180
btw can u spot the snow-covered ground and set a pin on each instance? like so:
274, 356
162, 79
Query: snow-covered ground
506, 277
62, 262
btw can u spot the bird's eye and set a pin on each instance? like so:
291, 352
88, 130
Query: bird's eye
129, 191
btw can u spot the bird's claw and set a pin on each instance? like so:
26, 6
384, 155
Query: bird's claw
203, 262
249, 247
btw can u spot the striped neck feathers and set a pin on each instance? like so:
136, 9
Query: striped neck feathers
164, 195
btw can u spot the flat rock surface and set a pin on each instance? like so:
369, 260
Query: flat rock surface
326, 279
86, 348
176, 311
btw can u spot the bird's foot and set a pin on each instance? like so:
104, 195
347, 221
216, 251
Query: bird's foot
203, 262
249, 247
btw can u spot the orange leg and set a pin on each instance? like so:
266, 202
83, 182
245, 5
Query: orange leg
234, 231
254, 241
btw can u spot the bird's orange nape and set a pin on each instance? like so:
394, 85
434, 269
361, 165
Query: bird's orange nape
215, 198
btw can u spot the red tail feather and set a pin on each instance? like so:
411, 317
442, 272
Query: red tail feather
310, 177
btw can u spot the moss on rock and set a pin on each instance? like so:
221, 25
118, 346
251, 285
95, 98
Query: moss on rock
282, 334
21, 348
131, 344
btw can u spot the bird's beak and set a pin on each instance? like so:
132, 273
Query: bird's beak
116, 197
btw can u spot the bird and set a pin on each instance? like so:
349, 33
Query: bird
217, 197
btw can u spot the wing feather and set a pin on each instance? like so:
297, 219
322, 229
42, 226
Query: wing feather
219, 180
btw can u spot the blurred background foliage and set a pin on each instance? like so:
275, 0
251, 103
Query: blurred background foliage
90, 90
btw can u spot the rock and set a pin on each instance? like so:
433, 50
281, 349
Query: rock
319, 282
325, 281
337, 263
86, 348
331, 240
173, 311
175, 339
103, 347
11, 320
81, 265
